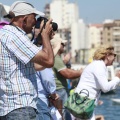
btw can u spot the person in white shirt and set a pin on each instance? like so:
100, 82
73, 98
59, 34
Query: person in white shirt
94, 76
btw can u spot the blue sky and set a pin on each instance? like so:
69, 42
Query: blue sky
91, 11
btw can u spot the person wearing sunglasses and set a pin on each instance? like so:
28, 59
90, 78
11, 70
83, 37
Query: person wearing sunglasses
94, 77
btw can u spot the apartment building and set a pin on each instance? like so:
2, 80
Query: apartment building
111, 35
67, 16
95, 38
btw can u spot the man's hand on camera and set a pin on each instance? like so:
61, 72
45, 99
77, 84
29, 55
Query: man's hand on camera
46, 31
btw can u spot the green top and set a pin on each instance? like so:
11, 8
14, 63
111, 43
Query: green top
61, 81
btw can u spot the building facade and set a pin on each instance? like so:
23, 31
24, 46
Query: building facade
111, 35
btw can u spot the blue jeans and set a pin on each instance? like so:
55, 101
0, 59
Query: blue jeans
63, 96
25, 113
43, 110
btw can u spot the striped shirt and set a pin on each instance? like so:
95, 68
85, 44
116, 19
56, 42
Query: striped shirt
18, 85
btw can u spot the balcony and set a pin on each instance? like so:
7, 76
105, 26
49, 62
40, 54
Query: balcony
116, 33
116, 28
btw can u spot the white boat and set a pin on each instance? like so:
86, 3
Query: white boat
116, 100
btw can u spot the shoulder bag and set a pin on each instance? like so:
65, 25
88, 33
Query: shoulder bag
80, 106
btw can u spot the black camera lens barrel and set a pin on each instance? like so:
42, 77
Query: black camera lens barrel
40, 19
54, 26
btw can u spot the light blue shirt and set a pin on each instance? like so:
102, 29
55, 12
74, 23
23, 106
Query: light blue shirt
48, 85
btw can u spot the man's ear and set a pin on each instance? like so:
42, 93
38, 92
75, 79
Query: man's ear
25, 20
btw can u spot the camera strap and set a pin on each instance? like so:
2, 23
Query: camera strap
39, 37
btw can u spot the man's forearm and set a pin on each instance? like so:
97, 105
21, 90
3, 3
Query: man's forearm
47, 49
45, 56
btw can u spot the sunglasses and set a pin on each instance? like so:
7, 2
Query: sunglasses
113, 54
63, 44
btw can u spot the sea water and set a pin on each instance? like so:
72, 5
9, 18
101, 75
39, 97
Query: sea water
109, 109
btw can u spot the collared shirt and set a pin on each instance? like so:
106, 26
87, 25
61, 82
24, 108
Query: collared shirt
18, 85
46, 83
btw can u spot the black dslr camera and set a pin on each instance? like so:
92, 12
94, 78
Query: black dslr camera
38, 22
40, 19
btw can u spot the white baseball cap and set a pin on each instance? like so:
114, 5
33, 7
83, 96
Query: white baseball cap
56, 43
57, 39
23, 8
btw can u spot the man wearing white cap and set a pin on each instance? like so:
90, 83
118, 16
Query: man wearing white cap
18, 85
62, 73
